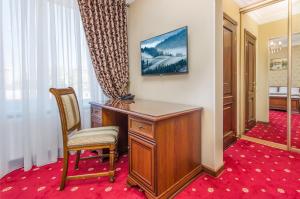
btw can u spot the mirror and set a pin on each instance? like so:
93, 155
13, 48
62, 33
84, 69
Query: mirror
265, 72
295, 87
278, 89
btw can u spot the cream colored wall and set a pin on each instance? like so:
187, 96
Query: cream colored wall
279, 78
203, 84
296, 66
232, 9
218, 85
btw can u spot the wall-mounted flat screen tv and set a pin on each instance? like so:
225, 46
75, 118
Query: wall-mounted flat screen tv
165, 54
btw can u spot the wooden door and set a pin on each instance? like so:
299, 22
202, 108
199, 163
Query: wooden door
141, 161
250, 80
229, 80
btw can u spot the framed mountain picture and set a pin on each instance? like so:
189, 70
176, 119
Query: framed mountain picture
166, 53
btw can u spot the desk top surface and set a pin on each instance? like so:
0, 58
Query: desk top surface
153, 110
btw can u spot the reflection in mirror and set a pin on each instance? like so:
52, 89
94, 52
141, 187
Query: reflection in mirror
278, 89
266, 82
295, 90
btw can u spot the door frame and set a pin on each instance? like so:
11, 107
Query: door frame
247, 35
235, 76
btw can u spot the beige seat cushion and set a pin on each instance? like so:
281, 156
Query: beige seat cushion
94, 136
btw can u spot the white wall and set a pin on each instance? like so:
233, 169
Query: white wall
203, 84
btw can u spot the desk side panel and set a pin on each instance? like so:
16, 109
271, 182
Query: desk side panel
178, 149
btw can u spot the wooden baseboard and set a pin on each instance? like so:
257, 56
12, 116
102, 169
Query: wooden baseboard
212, 172
261, 122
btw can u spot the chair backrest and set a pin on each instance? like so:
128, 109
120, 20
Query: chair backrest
68, 109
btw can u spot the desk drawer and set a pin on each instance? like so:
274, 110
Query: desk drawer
142, 127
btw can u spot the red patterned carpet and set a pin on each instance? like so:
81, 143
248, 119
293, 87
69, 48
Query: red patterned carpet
276, 130
251, 171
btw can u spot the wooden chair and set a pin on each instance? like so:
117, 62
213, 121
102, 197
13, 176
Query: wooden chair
76, 139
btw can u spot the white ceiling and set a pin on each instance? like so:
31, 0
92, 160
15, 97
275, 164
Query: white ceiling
129, 1
243, 3
270, 13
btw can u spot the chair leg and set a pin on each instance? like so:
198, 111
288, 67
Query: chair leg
65, 171
112, 163
116, 155
77, 159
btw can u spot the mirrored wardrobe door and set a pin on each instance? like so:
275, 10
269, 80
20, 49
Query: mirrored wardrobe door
278, 87
269, 109
295, 86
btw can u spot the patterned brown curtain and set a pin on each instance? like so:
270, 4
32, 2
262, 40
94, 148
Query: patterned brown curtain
105, 25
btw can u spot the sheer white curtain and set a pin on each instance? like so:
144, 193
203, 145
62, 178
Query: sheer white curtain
42, 45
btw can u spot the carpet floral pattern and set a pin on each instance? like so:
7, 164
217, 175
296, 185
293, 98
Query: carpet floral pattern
276, 130
251, 171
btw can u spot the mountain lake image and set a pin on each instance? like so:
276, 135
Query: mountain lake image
166, 53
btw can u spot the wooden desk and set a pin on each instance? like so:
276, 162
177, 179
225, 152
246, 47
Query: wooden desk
164, 142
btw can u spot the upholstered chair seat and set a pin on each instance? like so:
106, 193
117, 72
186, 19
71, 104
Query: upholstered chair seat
93, 136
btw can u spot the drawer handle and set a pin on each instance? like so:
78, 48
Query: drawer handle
141, 127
